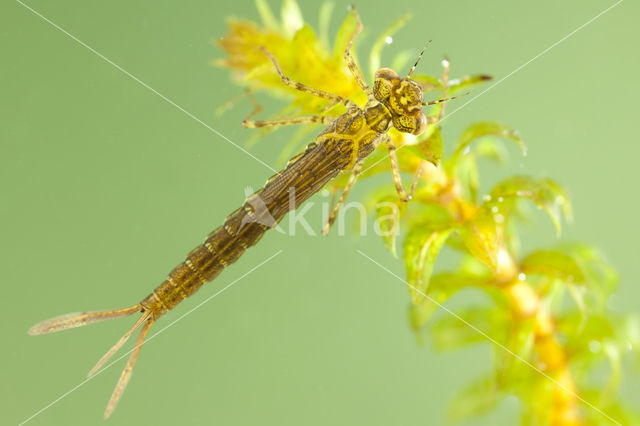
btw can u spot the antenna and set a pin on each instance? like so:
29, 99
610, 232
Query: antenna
437, 101
413, 68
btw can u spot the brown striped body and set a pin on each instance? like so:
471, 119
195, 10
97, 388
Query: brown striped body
349, 138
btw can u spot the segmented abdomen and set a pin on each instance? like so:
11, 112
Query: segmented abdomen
221, 248
244, 227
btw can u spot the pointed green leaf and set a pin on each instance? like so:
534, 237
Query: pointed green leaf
429, 146
554, 264
467, 174
324, 18
597, 271
466, 83
429, 83
266, 15
614, 356
478, 398
402, 59
419, 315
480, 236
421, 247
344, 35
545, 193
520, 339
623, 413
449, 332
304, 42
434, 111
444, 285
291, 16
599, 278
481, 129
381, 41
492, 149
388, 213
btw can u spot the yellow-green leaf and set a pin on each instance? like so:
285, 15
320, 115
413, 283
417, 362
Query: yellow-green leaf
304, 43
600, 279
344, 35
419, 315
381, 41
481, 129
545, 193
292, 19
480, 236
467, 174
449, 332
553, 264
388, 213
421, 247
304, 38
429, 146
441, 287
429, 83
324, 18
491, 148
266, 15
598, 272
475, 400
466, 83
402, 59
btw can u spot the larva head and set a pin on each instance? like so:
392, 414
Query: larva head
403, 97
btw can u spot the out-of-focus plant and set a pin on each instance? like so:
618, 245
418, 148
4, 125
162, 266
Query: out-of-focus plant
547, 307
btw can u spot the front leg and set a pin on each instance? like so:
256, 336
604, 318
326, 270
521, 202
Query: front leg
351, 63
332, 97
395, 172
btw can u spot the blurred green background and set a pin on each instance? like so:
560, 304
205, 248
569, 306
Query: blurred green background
105, 187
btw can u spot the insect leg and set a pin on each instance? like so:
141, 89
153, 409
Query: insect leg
395, 170
303, 87
250, 124
343, 197
416, 178
351, 63
229, 103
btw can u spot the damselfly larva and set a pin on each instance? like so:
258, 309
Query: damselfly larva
343, 145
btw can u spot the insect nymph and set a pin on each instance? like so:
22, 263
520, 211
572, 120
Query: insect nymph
394, 101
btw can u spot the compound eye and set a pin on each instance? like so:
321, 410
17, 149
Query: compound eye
404, 123
381, 89
421, 124
410, 124
384, 81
